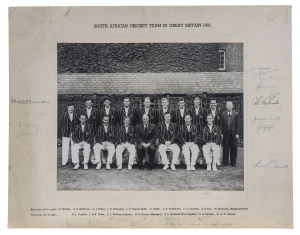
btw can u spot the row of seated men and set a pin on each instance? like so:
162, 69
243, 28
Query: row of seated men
169, 133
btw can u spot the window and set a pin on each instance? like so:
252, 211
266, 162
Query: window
221, 57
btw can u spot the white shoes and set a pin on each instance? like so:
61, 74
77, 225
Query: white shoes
214, 167
192, 168
166, 167
76, 166
188, 167
129, 167
119, 168
208, 167
107, 166
85, 166
98, 166
63, 164
173, 167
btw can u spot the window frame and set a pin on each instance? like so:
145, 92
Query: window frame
220, 60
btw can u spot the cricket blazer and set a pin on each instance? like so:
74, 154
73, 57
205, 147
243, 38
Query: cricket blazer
102, 136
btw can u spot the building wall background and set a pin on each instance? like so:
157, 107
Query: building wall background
146, 57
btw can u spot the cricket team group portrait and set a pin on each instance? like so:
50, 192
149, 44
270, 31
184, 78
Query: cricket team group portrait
145, 131
127, 113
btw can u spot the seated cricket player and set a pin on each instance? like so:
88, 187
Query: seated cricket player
211, 136
167, 135
83, 138
145, 135
125, 139
188, 136
105, 139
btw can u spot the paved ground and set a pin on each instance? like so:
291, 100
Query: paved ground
228, 178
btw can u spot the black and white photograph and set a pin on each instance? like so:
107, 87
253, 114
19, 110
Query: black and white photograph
150, 116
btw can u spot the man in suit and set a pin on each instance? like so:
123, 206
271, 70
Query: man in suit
151, 112
165, 108
167, 135
105, 139
211, 137
188, 136
197, 113
83, 137
145, 135
126, 141
127, 111
215, 112
179, 114
92, 114
67, 122
107, 110
231, 129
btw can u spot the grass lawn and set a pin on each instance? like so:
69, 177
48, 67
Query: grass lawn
227, 178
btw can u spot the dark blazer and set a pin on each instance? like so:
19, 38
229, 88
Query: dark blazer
94, 120
233, 126
86, 135
161, 116
198, 120
217, 118
102, 136
66, 125
123, 137
185, 136
167, 135
214, 136
145, 137
152, 116
177, 118
113, 116
131, 113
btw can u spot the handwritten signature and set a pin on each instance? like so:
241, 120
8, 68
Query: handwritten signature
264, 128
263, 71
270, 100
272, 164
261, 86
27, 101
264, 118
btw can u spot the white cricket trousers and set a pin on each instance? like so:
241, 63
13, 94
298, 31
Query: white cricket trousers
162, 149
66, 148
120, 149
187, 149
110, 149
86, 153
215, 158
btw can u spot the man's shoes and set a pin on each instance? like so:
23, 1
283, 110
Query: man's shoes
214, 167
173, 167
98, 166
208, 167
234, 165
129, 167
150, 168
141, 168
166, 167
76, 166
192, 168
188, 167
107, 166
119, 168
85, 166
